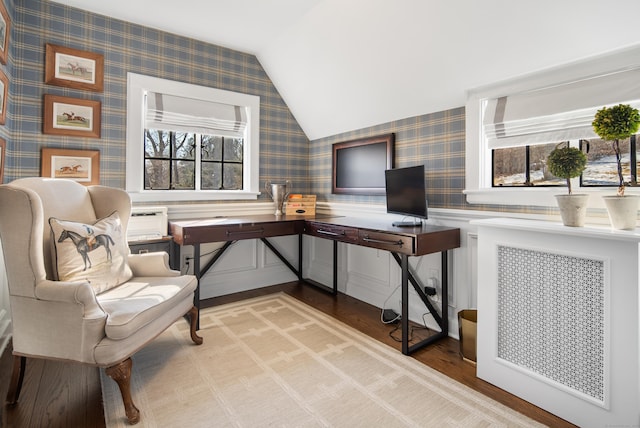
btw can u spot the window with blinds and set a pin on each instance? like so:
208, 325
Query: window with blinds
188, 142
523, 128
191, 144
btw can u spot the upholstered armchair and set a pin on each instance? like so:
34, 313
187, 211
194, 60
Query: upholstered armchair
76, 292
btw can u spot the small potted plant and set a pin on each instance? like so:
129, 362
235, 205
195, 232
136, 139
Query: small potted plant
614, 124
569, 162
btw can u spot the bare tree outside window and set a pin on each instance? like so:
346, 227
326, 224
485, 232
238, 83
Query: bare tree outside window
172, 161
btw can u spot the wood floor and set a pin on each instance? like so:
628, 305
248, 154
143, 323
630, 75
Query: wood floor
68, 395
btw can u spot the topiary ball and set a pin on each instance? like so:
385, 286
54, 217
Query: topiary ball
566, 162
617, 122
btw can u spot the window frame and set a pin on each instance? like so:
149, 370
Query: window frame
478, 166
137, 87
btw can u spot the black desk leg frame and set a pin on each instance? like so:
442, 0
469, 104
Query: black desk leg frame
442, 319
199, 273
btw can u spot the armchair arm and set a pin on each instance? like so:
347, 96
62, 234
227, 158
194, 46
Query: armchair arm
76, 292
151, 264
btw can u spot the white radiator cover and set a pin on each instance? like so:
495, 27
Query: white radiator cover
558, 320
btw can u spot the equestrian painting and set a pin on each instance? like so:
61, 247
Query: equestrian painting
84, 245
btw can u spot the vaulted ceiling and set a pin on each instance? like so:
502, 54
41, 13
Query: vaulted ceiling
342, 65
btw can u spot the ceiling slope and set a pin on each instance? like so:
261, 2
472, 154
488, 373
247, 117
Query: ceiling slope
343, 65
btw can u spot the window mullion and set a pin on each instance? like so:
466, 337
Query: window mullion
198, 162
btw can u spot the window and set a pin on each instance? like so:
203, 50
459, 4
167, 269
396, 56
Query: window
188, 142
527, 166
513, 125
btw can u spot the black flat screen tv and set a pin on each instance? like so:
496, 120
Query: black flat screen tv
359, 165
406, 194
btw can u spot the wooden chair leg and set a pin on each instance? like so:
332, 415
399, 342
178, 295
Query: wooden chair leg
17, 376
121, 373
193, 320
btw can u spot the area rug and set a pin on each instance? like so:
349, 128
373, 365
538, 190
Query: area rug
274, 361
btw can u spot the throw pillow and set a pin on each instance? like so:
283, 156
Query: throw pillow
91, 252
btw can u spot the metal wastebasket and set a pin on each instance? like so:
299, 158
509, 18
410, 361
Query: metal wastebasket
467, 329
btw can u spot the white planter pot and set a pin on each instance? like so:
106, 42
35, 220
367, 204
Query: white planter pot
623, 211
573, 209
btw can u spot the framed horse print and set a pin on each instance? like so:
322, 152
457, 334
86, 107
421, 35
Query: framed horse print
3, 155
4, 90
73, 117
82, 166
5, 31
73, 68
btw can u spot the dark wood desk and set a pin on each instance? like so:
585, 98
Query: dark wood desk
402, 242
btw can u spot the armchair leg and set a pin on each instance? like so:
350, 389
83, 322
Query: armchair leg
121, 373
17, 376
193, 320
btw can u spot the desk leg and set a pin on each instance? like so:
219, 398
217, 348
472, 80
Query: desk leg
196, 272
444, 278
404, 318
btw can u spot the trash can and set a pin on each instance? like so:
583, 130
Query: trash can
467, 328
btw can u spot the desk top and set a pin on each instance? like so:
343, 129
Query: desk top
418, 240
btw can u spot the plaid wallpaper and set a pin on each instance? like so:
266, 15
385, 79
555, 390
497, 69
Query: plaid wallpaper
126, 48
436, 139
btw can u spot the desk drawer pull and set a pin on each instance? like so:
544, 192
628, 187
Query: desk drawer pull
244, 232
381, 241
328, 232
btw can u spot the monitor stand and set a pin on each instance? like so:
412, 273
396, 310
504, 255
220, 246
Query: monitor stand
406, 224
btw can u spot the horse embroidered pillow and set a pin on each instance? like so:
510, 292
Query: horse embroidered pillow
91, 252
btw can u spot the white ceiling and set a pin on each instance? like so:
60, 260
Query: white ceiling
342, 65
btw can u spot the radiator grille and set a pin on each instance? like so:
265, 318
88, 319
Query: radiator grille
551, 317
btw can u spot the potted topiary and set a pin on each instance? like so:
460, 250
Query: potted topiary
569, 162
614, 124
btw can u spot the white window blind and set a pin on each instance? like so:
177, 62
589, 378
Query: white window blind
557, 113
175, 113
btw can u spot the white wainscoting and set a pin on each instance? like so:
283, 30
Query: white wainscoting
372, 276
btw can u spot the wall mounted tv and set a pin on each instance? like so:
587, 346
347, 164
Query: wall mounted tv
359, 165
406, 194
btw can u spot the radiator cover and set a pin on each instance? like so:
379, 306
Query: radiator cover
551, 317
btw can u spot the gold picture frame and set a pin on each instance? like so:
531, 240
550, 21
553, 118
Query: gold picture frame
5, 32
72, 117
3, 155
4, 91
73, 68
82, 166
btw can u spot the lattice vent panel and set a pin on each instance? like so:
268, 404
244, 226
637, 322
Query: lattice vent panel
551, 317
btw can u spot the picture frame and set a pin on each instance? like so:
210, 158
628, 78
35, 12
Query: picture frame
72, 117
358, 166
73, 68
4, 91
3, 155
5, 32
82, 166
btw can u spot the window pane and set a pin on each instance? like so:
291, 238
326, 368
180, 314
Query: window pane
233, 149
156, 174
211, 148
232, 176
185, 145
211, 176
538, 171
509, 166
156, 143
183, 175
602, 169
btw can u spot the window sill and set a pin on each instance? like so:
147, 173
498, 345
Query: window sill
191, 195
538, 196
